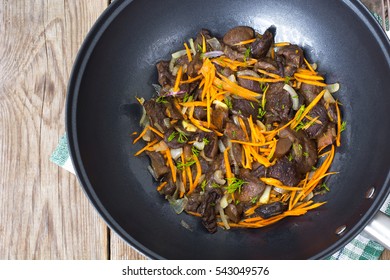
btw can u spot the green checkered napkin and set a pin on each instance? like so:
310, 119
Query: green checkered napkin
360, 248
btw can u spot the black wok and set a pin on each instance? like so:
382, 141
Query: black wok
117, 63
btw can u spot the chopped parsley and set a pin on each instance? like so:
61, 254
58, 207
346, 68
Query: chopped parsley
203, 185
215, 185
343, 126
300, 111
195, 151
287, 79
325, 187
247, 54
254, 199
305, 154
181, 165
261, 113
234, 185
228, 103
205, 140
290, 157
172, 136
161, 99
181, 139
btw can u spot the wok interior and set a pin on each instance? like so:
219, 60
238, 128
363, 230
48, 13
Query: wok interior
121, 66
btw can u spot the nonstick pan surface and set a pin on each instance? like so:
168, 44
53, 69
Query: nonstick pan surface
117, 62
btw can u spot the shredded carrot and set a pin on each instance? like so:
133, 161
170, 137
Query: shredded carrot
263, 80
189, 175
338, 136
264, 161
204, 49
161, 186
188, 51
183, 173
229, 174
310, 123
309, 65
281, 44
306, 72
198, 174
308, 77
245, 42
309, 82
198, 125
149, 145
171, 165
142, 134
243, 127
233, 64
272, 75
191, 80
308, 108
194, 103
278, 184
156, 131
233, 88
178, 78
271, 154
193, 213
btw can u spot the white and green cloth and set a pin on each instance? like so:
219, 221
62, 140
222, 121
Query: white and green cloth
360, 248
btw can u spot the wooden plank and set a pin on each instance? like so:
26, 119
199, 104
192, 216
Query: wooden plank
44, 214
120, 250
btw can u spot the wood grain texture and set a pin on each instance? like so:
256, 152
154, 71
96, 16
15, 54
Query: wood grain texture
44, 214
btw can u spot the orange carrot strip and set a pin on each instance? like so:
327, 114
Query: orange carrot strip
308, 77
229, 174
156, 131
161, 186
309, 82
178, 78
191, 80
171, 165
281, 44
188, 52
272, 75
245, 42
194, 103
309, 65
262, 80
198, 174
308, 108
338, 136
146, 147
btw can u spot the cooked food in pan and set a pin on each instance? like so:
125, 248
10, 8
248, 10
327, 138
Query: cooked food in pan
242, 130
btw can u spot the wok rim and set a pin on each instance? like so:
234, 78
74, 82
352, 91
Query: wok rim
76, 77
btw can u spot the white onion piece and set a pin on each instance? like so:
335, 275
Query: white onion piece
167, 123
199, 145
224, 201
215, 44
185, 225
221, 146
188, 126
328, 97
218, 177
235, 120
178, 54
192, 46
261, 125
147, 136
247, 73
151, 170
232, 78
266, 194
144, 118
333, 87
293, 95
160, 147
220, 104
204, 156
158, 126
314, 66
280, 190
176, 153
172, 64
178, 205
223, 218
308, 197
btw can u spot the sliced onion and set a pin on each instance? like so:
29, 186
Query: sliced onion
220, 104
160, 147
204, 156
333, 87
192, 46
235, 120
144, 119
178, 205
178, 54
147, 136
224, 201
215, 44
328, 97
185, 225
158, 126
176, 153
265, 196
188, 126
293, 95
221, 146
151, 170
199, 145
213, 54
247, 72
232, 78
167, 123
218, 177
280, 190
261, 125
223, 218
314, 66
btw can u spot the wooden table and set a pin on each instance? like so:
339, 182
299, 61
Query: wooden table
44, 213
